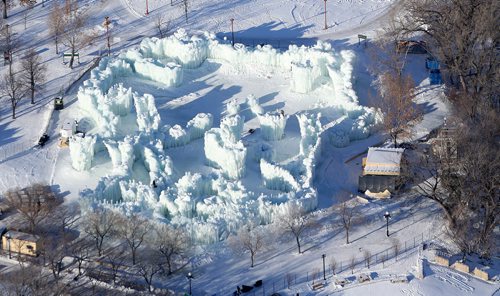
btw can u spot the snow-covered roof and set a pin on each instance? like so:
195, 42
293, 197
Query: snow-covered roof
383, 161
21, 236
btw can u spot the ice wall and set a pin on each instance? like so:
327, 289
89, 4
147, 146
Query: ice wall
310, 128
197, 126
253, 103
81, 150
277, 178
232, 107
231, 128
148, 118
272, 126
121, 154
224, 155
304, 77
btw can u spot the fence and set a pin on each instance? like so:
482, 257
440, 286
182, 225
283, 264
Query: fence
355, 264
9, 150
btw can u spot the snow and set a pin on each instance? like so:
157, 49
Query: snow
145, 109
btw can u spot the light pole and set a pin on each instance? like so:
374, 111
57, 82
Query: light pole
8, 244
108, 37
232, 31
387, 216
147, 7
189, 276
324, 272
326, 26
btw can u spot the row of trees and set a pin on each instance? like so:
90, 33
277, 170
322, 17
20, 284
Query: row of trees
109, 245
464, 36
294, 222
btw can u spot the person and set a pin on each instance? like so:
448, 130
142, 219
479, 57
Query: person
154, 184
239, 290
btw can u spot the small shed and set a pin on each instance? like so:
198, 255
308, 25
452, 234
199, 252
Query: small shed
20, 242
381, 169
68, 129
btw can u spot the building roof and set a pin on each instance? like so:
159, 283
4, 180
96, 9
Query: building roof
383, 161
21, 236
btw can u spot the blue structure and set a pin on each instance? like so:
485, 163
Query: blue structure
435, 77
431, 63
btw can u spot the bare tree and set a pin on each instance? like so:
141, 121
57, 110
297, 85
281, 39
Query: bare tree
294, 221
100, 225
368, 258
75, 37
133, 230
80, 250
148, 267
28, 5
13, 88
6, 5
34, 203
348, 212
315, 274
383, 258
33, 72
56, 22
333, 265
53, 249
289, 279
115, 259
172, 244
396, 245
396, 103
249, 238
162, 24
352, 263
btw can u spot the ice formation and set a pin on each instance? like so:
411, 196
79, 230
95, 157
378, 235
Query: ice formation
310, 128
211, 206
81, 150
232, 107
225, 155
253, 103
197, 126
272, 126
277, 178
231, 128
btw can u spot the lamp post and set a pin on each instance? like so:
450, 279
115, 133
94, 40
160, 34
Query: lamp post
8, 244
189, 276
387, 216
232, 31
326, 26
147, 7
324, 272
108, 37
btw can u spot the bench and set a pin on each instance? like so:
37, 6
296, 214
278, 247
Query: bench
317, 286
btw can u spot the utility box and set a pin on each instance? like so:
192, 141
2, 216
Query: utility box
58, 104
68, 129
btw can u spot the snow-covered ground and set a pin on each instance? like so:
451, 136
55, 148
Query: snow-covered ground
210, 88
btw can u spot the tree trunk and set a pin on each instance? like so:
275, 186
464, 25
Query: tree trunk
13, 110
4, 9
57, 43
298, 243
252, 258
33, 99
133, 256
347, 236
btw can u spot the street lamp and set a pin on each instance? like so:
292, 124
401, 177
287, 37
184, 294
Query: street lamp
387, 216
326, 26
232, 31
324, 272
8, 244
189, 276
147, 7
108, 37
